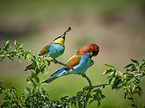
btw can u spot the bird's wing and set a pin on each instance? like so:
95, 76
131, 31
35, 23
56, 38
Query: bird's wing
45, 49
73, 61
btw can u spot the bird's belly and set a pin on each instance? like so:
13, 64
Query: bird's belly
56, 50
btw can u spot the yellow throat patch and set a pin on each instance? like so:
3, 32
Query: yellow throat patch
60, 41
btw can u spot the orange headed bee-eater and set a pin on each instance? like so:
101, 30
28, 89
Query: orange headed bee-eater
53, 49
80, 62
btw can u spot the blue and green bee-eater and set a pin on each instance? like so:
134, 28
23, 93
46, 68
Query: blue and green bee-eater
53, 49
80, 62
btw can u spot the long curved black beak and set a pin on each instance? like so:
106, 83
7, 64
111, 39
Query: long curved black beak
64, 34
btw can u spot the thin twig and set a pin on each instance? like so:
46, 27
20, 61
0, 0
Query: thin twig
1, 55
133, 99
88, 79
56, 61
90, 84
100, 85
137, 75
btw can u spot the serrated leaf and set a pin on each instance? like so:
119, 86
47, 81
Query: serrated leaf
19, 57
42, 68
135, 61
129, 65
91, 101
6, 44
37, 71
108, 71
80, 104
29, 56
112, 82
10, 58
133, 70
15, 42
119, 87
109, 65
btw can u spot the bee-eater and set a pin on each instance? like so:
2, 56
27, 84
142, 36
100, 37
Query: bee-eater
80, 62
53, 49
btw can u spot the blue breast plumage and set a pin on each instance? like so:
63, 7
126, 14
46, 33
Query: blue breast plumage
55, 50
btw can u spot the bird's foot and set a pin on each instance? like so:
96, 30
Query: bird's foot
84, 75
55, 61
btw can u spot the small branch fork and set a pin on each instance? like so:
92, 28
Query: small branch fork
90, 84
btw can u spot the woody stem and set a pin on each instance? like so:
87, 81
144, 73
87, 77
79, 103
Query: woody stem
90, 84
56, 61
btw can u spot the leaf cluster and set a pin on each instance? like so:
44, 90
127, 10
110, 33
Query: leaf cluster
129, 81
36, 96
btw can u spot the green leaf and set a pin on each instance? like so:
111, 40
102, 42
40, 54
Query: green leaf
80, 104
30, 80
6, 44
29, 56
42, 67
37, 71
109, 65
108, 71
19, 57
45, 74
135, 61
10, 58
112, 82
129, 65
33, 75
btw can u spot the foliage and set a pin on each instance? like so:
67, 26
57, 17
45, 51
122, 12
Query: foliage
36, 96
129, 80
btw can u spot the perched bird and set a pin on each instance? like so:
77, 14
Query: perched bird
53, 49
80, 62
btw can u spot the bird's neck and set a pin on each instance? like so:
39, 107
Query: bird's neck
60, 41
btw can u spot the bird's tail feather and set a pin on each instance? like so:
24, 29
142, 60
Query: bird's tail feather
50, 79
54, 76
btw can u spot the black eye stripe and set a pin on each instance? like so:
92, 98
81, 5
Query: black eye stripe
95, 53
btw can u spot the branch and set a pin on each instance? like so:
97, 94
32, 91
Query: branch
90, 84
56, 61
100, 85
88, 79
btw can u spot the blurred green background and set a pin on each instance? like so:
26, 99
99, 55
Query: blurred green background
117, 26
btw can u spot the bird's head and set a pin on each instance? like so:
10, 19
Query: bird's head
61, 39
93, 49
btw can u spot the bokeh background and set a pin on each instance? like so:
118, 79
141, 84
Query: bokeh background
117, 26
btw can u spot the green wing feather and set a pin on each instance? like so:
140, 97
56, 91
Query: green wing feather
45, 49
